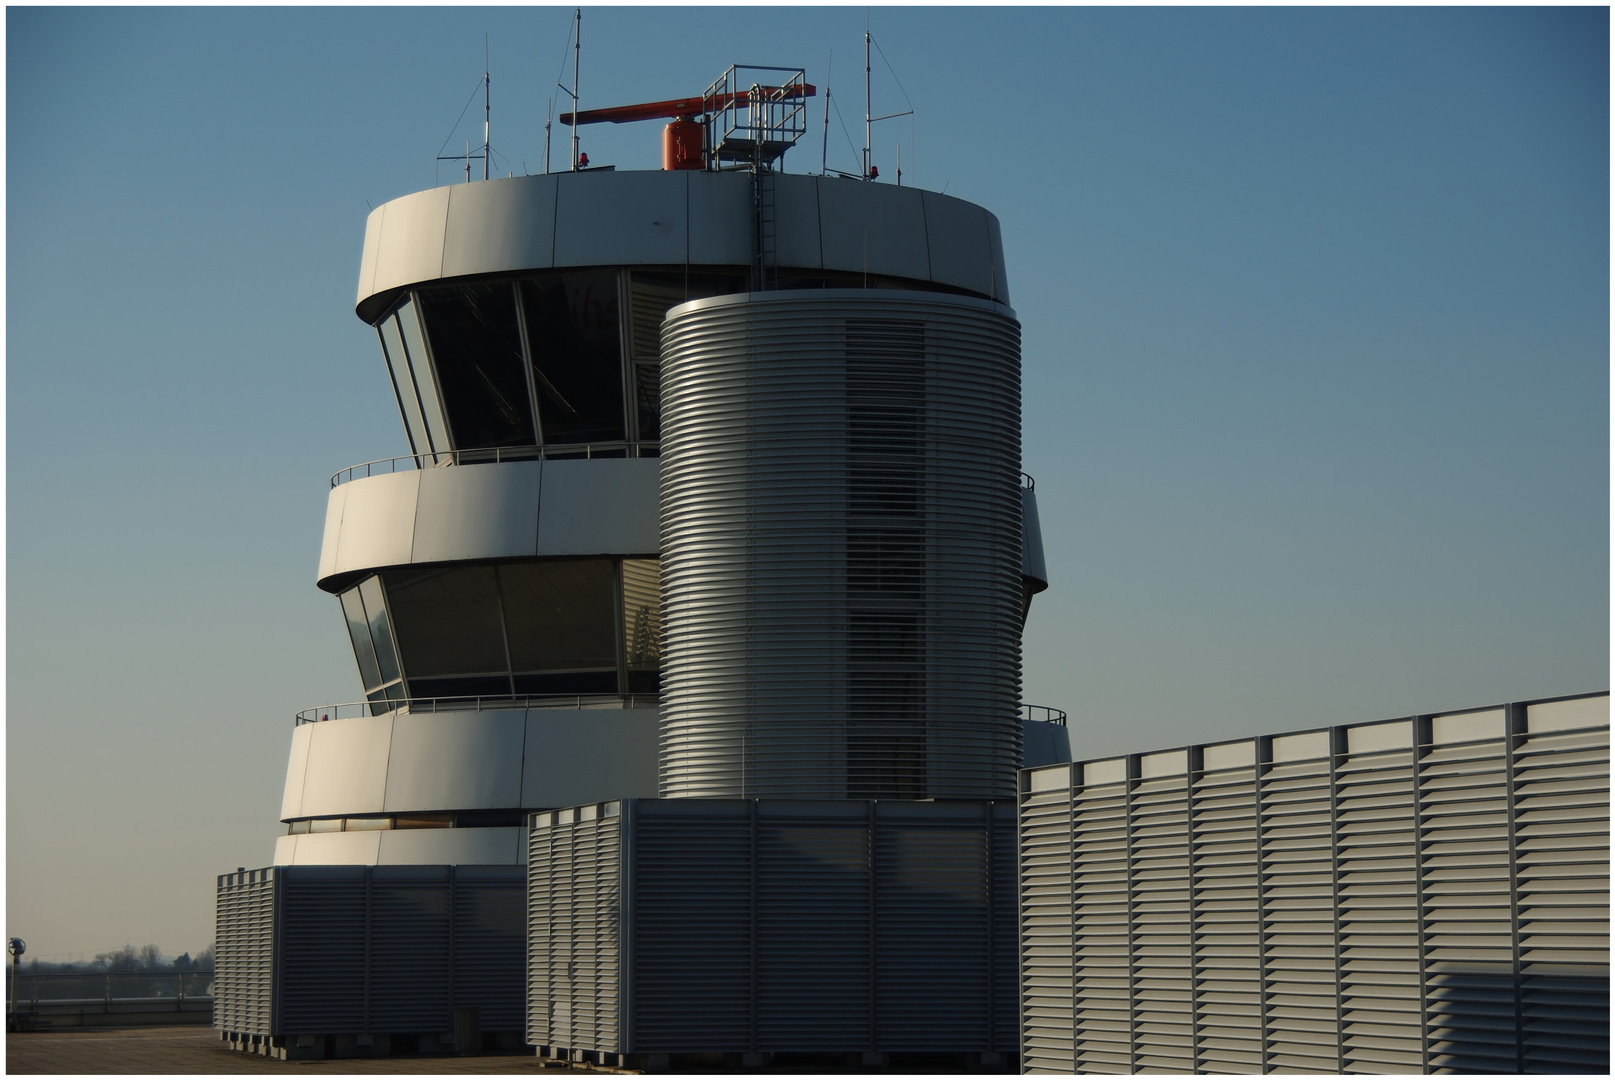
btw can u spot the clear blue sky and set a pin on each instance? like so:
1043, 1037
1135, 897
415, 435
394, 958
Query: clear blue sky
1316, 309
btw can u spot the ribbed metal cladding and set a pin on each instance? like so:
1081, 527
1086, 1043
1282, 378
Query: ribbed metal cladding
841, 546
1423, 895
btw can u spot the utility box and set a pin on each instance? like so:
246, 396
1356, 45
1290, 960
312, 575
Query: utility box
764, 929
353, 961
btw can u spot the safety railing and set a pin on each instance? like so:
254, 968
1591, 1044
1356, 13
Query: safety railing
1027, 482
1043, 713
111, 987
353, 709
493, 455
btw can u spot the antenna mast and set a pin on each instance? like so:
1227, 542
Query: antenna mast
577, 55
549, 107
485, 154
824, 159
867, 109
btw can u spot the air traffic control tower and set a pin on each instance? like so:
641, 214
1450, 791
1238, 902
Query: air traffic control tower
712, 501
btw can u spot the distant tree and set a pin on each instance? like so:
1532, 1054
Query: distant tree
130, 959
204, 959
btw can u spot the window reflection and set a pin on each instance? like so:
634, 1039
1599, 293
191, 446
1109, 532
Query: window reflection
476, 348
359, 633
420, 368
409, 406
447, 623
642, 623
557, 626
574, 335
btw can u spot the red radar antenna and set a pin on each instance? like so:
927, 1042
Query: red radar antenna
751, 125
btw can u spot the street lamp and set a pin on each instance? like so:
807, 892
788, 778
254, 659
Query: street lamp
16, 947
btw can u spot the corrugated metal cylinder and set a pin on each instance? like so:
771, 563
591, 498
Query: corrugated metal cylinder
841, 546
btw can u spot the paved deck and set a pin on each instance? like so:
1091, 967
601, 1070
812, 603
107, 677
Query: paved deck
198, 1050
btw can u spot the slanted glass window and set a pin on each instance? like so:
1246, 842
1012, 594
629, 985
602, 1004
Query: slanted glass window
409, 405
642, 623
381, 635
561, 626
447, 623
476, 348
359, 633
575, 338
420, 368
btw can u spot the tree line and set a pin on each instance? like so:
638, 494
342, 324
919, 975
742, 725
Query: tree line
129, 960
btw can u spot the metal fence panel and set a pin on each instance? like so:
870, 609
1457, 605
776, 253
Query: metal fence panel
776, 926
1423, 895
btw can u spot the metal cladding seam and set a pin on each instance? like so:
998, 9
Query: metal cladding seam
841, 546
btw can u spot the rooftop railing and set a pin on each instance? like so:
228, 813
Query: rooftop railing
1027, 482
493, 455
354, 709
1044, 714
109, 987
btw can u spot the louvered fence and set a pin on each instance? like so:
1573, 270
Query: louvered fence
1420, 895
694, 926
373, 956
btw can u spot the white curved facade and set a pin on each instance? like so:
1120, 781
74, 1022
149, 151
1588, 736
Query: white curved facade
500, 585
675, 219
509, 510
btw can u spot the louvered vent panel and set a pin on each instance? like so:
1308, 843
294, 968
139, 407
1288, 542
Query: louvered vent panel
841, 546
1381, 1021
322, 949
1226, 922
243, 979
1102, 961
1159, 888
1468, 921
692, 933
933, 964
814, 930
488, 946
574, 930
1429, 894
1298, 918
1561, 787
1005, 954
410, 975
1045, 930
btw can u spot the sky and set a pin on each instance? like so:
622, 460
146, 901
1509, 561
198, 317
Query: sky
1316, 365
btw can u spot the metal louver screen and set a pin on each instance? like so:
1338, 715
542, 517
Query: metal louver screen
243, 975
355, 950
841, 546
775, 926
574, 930
1426, 895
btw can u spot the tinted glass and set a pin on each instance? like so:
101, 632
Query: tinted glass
423, 821
409, 406
323, 825
573, 331
381, 634
446, 622
642, 622
648, 399
359, 634
421, 369
652, 293
476, 349
559, 616
364, 824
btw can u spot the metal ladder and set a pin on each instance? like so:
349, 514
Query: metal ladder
765, 259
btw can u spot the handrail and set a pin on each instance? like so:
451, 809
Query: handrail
1044, 713
490, 455
353, 709
104, 979
1027, 482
